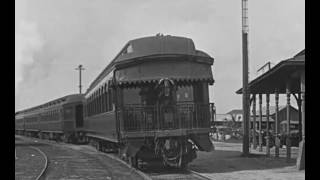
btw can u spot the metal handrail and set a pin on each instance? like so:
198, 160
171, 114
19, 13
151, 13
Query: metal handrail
154, 117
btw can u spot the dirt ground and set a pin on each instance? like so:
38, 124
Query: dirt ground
225, 162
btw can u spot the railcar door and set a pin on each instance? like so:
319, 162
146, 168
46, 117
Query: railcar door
79, 115
167, 101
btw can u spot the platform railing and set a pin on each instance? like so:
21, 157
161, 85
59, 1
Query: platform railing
153, 117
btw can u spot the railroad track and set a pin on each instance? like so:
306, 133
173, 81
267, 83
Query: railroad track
157, 172
162, 174
87, 154
32, 162
67, 161
43, 171
177, 175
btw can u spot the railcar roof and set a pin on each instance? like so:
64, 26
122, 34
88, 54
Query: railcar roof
65, 99
156, 46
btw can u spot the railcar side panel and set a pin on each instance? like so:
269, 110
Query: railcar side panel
19, 124
32, 122
51, 126
103, 125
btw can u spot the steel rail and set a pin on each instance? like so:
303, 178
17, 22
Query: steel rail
199, 175
42, 173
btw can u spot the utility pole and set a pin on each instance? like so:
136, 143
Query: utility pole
245, 79
80, 68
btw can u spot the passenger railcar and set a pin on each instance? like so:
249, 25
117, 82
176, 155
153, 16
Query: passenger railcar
60, 119
152, 102
19, 123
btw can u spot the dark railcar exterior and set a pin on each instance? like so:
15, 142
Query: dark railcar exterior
152, 101
58, 119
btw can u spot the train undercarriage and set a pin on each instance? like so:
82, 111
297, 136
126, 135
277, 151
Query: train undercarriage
67, 137
170, 151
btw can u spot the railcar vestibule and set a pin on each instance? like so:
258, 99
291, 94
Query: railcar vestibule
165, 104
150, 94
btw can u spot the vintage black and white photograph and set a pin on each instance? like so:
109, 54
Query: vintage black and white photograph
159, 89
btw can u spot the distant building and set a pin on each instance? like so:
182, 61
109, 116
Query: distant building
222, 119
236, 115
294, 118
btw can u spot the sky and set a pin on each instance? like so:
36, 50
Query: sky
52, 37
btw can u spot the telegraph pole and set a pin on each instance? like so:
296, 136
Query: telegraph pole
80, 68
245, 79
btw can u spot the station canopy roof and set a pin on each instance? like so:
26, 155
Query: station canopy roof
277, 77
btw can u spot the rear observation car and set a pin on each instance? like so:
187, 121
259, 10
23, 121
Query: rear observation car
152, 102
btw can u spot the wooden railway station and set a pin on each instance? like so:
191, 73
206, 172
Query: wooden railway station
286, 78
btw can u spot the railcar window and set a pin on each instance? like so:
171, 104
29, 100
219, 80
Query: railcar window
92, 104
100, 102
129, 49
107, 100
110, 99
90, 107
68, 113
185, 93
102, 99
95, 104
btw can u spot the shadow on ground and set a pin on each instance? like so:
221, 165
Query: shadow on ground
221, 161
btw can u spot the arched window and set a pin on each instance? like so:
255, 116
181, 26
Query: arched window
103, 98
107, 98
98, 101
110, 98
94, 104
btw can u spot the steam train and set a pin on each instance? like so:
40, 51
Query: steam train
151, 102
